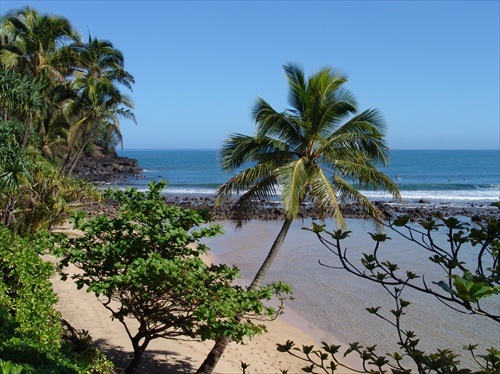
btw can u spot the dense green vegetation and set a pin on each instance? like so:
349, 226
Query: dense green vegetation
59, 96
68, 92
33, 192
30, 327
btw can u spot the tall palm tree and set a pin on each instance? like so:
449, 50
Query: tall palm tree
311, 152
99, 105
98, 74
99, 59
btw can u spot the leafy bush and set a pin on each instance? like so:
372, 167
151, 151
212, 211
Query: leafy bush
30, 327
145, 264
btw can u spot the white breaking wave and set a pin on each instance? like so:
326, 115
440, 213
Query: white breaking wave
458, 196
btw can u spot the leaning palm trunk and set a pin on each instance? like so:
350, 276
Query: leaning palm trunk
77, 157
69, 163
26, 133
215, 354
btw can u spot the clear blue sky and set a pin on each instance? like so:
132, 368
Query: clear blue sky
431, 67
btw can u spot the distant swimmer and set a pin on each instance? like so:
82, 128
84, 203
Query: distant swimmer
449, 180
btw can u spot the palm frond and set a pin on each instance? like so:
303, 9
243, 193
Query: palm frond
239, 150
281, 126
255, 185
292, 179
324, 197
348, 193
307, 149
367, 176
297, 87
244, 181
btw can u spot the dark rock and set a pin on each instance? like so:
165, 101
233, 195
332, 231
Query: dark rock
105, 167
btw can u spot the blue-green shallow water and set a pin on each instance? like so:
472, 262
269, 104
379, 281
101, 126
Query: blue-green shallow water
454, 177
335, 301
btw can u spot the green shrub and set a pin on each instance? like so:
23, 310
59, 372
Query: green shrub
30, 327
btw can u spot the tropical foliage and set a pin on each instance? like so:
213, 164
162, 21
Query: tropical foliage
33, 193
67, 91
59, 97
146, 265
30, 327
313, 152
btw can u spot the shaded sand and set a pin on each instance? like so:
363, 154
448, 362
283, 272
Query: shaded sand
84, 312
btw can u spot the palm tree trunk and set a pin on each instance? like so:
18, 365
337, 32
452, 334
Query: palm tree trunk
208, 366
77, 157
67, 161
26, 133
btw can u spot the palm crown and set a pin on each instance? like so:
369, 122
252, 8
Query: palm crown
309, 152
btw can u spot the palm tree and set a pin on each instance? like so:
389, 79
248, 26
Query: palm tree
100, 105
99, 59
98, 74
309, 153
35, 43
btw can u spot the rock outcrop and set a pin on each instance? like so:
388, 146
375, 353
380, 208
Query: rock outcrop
101, 167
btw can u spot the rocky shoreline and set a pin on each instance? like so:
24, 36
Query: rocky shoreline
269, 211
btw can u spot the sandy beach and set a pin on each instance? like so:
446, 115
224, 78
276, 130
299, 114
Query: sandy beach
84, 312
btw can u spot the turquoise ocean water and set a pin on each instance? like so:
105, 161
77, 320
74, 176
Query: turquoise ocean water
454, 177
332, 302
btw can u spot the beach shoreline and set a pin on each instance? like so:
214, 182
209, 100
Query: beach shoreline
334, 302
272, 210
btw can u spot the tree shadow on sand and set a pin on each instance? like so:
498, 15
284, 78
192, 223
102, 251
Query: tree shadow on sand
154, 361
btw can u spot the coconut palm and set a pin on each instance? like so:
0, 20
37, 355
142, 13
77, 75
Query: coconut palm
99, 59
98, 74
312, 152
99, 105
35, 43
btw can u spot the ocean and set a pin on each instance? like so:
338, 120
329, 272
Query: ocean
331, 303
453, 177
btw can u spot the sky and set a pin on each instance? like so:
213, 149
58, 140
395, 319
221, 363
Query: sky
430, 67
